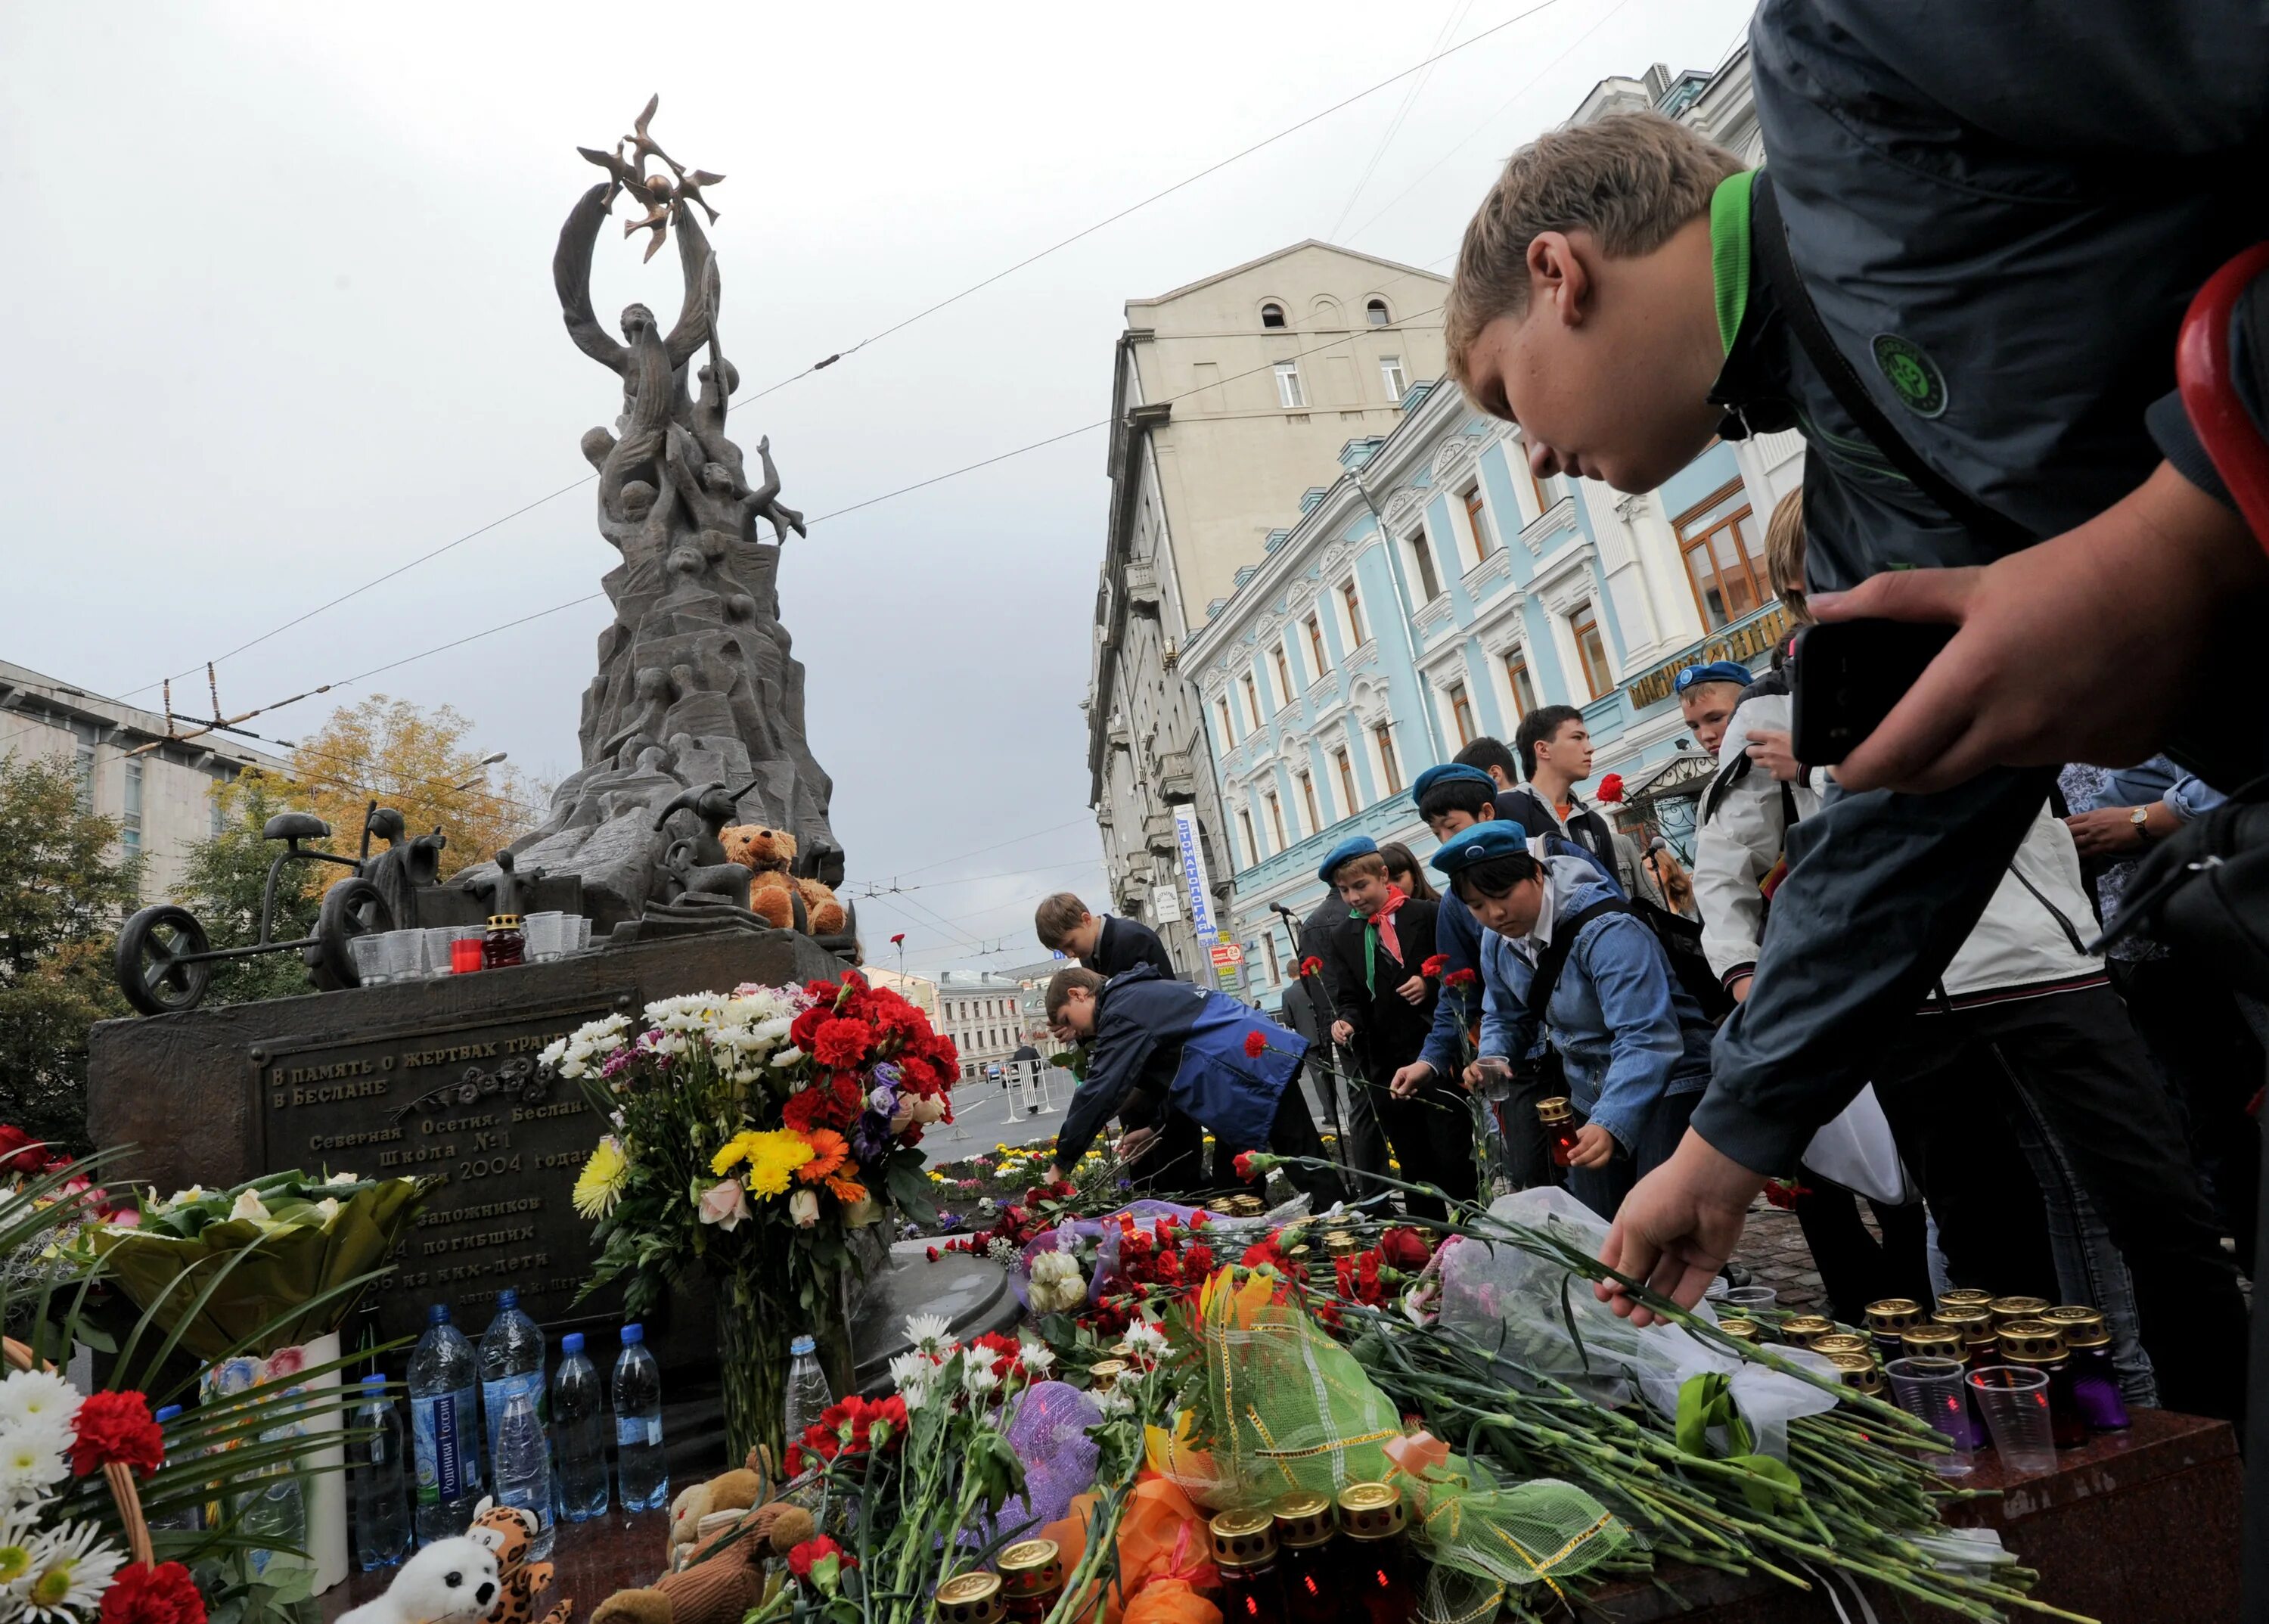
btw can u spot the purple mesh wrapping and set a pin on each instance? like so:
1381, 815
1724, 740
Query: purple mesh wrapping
1145, 1212
1049, 1434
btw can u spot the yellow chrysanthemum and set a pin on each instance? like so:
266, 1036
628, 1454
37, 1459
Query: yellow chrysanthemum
772, 1155
600, 1185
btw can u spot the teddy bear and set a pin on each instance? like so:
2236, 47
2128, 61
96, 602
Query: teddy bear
767, 854
738, 1490
724, 1573
508, 1530
449, 1582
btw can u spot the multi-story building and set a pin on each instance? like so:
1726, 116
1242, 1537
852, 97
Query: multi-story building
1438, 591
920, 991
984, 1014
162, 798
1230, 397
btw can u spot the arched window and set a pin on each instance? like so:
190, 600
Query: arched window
1376, 311
1272, 314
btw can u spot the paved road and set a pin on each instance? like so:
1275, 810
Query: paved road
985, 1116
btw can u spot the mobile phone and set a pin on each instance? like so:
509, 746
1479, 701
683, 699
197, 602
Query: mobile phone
1845, 676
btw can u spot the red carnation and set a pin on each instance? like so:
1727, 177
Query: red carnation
805, 1027
116, 1427
842, 1044
141, 1594
1243, 1164
1254, 1046
20, 1153
806, 1110
1460, 977
1432, 967
1312, 966
1611, 788
933, 1254
896, 939
804, 1557
1405, 1247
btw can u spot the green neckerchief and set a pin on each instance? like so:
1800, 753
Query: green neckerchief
1370, 951
1729, 253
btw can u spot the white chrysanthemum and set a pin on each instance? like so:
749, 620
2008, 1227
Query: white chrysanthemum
1145, 1337
928, 1333
554, 1051
1038, 1358
20, 1543
788, 1056
908, 1369
249, 1205
978, 1380
30, 1462
68, 1574
1115, 1401
29, 1396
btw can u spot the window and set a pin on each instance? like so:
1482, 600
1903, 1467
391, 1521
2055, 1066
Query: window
1316, 656
1517, 678
1348, 595
1268, 951
1591, 650
130, 825
1535, 486
1245, 827
1347, 797
1228, 733
1272, 316
1308, 800
1252, 698
83, 765
1422, 564
1289, 394
1376, 313
1477, 521
1276, 821
1725, 556
1383, 735
1284, 689
1461, 712
1391, 374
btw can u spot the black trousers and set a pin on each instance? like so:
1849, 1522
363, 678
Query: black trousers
1175, 1164
1855, 1268
1433, 1136
1293, 1133
2074, 1061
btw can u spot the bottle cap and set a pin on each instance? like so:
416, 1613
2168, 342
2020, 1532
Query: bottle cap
802, 1346
1371, 1511
1031, 1567
1893, 1313
1104, 1373
1243, 1539
171, 1410
1963, 1297
1932, 1341
2031, 1341
1304, 1519
1858, 1372
571, 1343
1742, 1330
2006, 1309
1553, 1111
633, 1333
366, 1381
1801, 1328
2082, 1327
1840, 1342
437, 1315
970, 1598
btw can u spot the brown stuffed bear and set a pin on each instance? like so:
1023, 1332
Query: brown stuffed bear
725, 1577
733, 1491
766, 853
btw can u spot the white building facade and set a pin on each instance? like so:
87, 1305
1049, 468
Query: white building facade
1438, 592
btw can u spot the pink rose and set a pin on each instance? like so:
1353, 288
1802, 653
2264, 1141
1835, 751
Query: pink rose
929, 1108
725, 1204
803, 1208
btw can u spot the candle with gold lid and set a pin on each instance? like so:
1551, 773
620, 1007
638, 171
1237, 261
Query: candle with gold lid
1031, 1579
1963, 1297
2035, 1345
1307, 1540
1245, 1552
1843, 1342
2094, 1380
1373, 1518
1800, 1329
2006, 1309
1887, 1319
969, 1598
1858, 1372
1742, 1330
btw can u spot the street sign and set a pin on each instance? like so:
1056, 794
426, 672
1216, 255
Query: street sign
1167, 903
1227, 953
1190, 856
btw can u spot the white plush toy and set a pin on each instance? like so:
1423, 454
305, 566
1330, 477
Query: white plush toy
449, 1582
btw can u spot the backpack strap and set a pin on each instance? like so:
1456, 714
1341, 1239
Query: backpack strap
1770, 238
1554, 959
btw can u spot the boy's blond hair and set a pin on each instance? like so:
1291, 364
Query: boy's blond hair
1630, 178
1056, 918
1785, 556
1361, 863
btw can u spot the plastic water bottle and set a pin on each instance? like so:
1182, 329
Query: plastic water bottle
637, 1425
523, 1470
274, 1512
511, 1361
579, 1432
378, 1479
807, 1393
189, 1519
444, 1428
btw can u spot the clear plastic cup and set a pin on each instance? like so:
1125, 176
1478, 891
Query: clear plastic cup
583, 933
405, 954
2015, 1403
543, 932
435, 955
1930, 1390
1748, 1299
369, 954
1716, 1290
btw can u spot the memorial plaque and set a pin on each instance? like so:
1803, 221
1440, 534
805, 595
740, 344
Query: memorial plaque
465, 1104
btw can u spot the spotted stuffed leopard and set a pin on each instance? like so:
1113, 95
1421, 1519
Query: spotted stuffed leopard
508, 1530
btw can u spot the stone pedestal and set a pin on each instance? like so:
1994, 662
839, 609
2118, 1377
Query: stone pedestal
434, 1078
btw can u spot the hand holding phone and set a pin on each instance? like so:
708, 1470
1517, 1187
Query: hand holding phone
1845, 676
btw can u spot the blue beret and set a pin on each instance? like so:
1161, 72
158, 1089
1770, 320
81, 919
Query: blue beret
1450, 773
1484, 842
1354, 845
1716, 671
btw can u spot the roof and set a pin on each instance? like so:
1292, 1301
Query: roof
1396, 266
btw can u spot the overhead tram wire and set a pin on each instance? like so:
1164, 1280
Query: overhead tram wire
1450, 26
1187, 181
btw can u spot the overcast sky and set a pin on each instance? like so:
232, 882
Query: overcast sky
277, 280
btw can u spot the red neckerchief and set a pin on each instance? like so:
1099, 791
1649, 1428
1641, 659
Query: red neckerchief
1383, 922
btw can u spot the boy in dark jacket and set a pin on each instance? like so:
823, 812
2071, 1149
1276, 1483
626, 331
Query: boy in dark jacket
1157, 1044
1386, 1002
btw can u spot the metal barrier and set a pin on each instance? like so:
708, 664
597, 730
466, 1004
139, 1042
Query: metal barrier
1029, 1084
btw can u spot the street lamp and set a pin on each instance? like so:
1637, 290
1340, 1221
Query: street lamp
486, 761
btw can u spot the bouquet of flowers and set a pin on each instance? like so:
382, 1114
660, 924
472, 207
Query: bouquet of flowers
754, 1130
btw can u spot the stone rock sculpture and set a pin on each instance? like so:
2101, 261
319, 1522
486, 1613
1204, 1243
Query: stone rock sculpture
697, 685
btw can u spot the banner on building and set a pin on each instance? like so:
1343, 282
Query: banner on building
1195, 889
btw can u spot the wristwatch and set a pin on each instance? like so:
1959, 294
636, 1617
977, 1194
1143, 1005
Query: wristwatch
2140, 818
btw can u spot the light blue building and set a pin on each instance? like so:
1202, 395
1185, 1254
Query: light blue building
1434, 592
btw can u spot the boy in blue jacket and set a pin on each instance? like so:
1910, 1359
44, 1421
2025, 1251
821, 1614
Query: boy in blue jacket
1566, 961
1158, 1043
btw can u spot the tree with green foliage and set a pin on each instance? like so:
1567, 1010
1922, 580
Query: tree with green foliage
223, 886
64, 887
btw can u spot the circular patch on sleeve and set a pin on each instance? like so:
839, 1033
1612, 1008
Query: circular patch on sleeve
1921, 387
